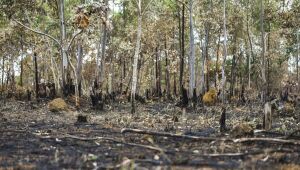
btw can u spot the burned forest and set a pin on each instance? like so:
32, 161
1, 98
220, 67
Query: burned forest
149, 84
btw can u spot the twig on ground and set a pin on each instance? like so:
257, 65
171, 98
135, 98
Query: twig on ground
273, 140
139, 131
112, 140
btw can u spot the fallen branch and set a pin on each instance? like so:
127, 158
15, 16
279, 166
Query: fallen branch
115, 141
273, 140
138, 131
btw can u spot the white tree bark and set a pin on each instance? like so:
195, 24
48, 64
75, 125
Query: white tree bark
64, 64
225, 52
192, 53
263, 69
136, 57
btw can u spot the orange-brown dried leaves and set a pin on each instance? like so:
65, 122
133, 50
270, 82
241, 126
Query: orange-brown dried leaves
82, 20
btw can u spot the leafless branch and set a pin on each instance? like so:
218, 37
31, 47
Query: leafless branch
38, 32
73, 38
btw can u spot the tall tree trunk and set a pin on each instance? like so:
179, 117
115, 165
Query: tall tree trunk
263, 65
182, 48
251, 48
192, 53
167, 68
233, 68
21, 62
63, 36
207, 35
79, 67
158, 72
103, 49
298, 50
217, 62
225, 53
136, 58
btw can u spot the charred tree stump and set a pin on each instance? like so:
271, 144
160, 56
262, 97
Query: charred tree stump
223, 120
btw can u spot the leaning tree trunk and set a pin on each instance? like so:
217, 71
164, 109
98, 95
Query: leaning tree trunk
136, 57
192, 54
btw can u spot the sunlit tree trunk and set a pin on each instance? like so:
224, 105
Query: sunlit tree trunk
182, 49
263, 69
225, 52
103, 49
192, 53
251, 48
136, 58
63, 36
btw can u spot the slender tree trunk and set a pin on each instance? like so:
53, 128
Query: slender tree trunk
182, 48
207, 35
251, 48
192, 53
63, 38
103, 49
263, 65
136, 58
167, 68
21, 63
36, 76
233, 68
225, 53
2, 76
298, 50
79, 67
217, 63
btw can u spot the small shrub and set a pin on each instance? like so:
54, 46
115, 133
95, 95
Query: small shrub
57, 105
210, 97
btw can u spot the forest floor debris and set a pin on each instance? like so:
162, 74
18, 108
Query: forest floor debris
159, 136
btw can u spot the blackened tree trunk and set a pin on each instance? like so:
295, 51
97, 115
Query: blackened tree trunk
36, 76
79, 67
167, 67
